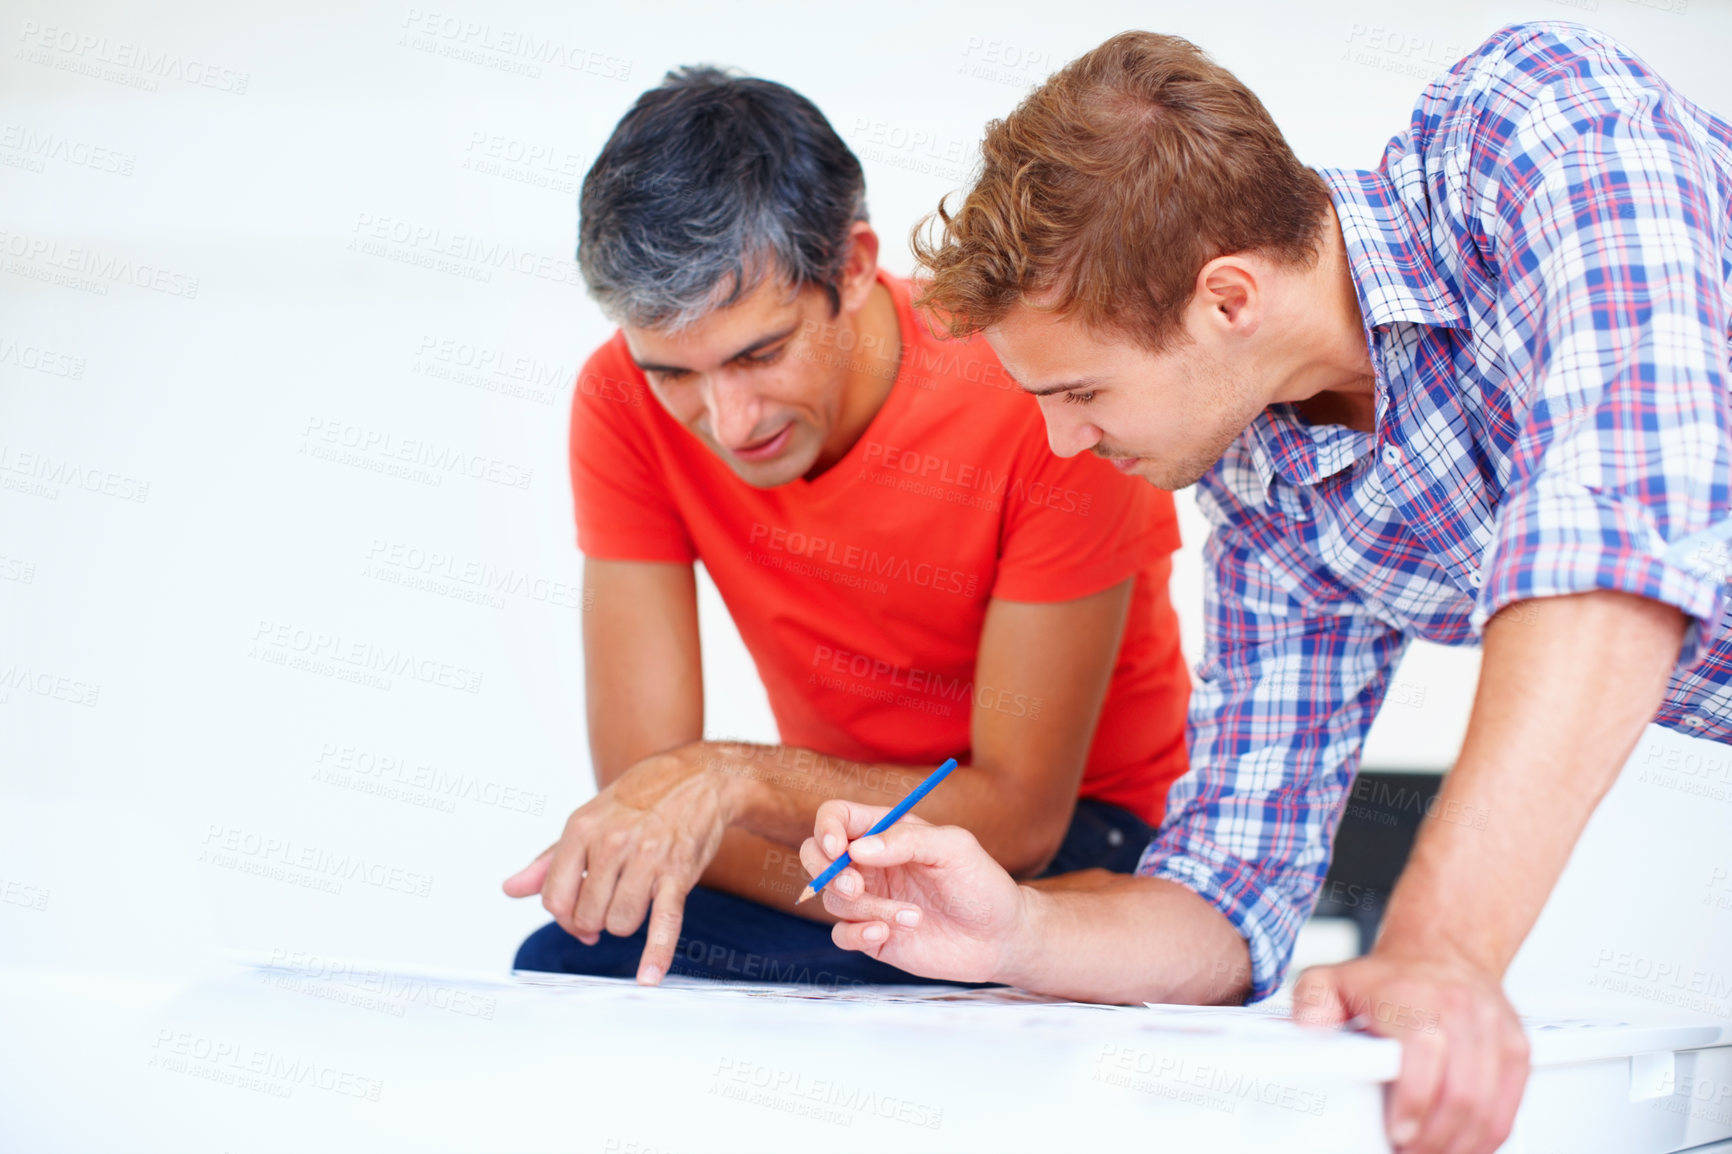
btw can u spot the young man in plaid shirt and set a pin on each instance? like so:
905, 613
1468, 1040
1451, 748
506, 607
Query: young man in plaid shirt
1479, 392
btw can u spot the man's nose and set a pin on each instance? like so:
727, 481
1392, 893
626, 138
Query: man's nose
734, 409
1066, 434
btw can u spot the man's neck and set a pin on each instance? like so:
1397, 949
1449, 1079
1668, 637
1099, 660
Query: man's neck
1334, 382
868, 377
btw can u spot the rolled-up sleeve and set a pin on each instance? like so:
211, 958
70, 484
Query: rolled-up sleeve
1609, 227
1294, 670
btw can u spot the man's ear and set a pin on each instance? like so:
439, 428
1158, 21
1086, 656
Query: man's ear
860, 272
1228, 295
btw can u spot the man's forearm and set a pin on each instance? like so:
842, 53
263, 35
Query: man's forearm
764, 871
1098, 937
1566, 687
776, 791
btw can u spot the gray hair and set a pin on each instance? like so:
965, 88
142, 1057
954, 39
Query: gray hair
709, 185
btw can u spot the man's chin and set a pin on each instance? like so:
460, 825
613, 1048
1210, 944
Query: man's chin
789, 465
1171, 477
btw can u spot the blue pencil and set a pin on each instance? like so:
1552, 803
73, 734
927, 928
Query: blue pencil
882, 824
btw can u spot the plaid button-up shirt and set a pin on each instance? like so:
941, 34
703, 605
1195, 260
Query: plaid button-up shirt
1544, 266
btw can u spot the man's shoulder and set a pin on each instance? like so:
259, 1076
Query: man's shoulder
612, 359
610, 375
960, 373
1503, 79
1489, 126
1539, 48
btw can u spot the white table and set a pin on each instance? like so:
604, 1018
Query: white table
317, 1056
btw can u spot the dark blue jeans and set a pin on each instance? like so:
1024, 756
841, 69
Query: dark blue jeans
733, 939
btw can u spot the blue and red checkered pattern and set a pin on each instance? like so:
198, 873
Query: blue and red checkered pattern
1544, 266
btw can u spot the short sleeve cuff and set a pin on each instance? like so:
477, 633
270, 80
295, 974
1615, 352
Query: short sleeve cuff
1069, 582
625, 543
1254, 904
1559, 542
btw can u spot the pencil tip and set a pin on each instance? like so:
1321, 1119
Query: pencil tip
806, 894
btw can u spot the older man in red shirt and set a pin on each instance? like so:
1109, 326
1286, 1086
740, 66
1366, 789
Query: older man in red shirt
914, 572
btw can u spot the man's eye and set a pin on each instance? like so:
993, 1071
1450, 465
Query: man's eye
1081, 398
669, 376
768, 358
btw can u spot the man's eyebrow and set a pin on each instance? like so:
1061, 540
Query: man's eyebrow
1079, 383
761, 342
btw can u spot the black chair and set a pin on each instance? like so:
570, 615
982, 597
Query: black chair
1372, 842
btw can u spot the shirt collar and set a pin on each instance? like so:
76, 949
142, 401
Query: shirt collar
1388, 253
1283, 442
1396, 281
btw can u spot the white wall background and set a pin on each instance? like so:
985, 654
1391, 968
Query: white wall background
231, 238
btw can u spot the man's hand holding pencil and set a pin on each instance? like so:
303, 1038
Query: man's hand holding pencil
921, 897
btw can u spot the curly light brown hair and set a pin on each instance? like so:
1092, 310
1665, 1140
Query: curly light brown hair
1110, 187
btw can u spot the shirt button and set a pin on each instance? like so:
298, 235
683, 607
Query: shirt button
1475, 579
1694, 722
1391, 456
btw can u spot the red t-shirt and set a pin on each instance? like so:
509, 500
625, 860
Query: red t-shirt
861, 594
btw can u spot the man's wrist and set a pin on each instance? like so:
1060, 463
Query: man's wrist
1428, 919
1427, 939
1021, 960
732, 779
